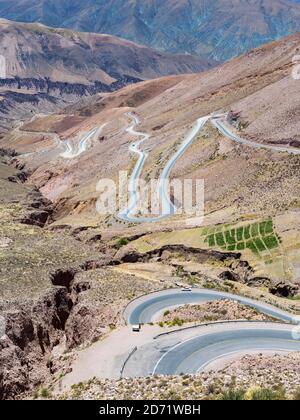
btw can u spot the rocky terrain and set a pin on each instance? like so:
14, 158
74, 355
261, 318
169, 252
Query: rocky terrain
58, 289
218, 29
168, 107
211, 311
66, 272
237, 202
241, 380
46, 287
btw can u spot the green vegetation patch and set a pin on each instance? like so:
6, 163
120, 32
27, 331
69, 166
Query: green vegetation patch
259, 237
271, 241
240, 234
122, 242
220, 239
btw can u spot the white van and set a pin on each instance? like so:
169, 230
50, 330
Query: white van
136, 328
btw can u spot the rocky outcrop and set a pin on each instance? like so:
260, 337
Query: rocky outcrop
229, 275
39, 210
168, 251
48, 96
8, 153
31, 334
55, 89
237, 269
283, 289
37, 293
259, 282
36, 218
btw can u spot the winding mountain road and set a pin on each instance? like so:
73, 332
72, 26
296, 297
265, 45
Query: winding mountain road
225, 130
148, 308
204, 344
168, 208
191, 350
71, 151
54, 136
211, 344
163, 350
128, 213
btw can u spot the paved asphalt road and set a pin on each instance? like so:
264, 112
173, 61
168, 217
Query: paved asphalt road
196, 349
71, 151
128, 213
193, 355
224, 129
170, 351
146, 308
168, 208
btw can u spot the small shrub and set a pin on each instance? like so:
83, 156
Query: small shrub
258, 393
178, 322
122, 242
233, 395
45, 393
296, 394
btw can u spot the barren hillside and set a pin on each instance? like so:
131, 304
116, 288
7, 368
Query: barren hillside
47, 68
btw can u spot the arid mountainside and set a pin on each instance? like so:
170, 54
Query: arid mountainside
254, 185
54, 293
167, 107
46, 68
244, 186
36, 51
218, 29
68, 272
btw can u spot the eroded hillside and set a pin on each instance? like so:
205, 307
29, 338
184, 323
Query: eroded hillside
248, 243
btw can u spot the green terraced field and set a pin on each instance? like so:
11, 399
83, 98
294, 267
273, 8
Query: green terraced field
259, 237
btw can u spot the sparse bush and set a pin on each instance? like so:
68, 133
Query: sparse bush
296, 395
233, 395
258, 393
122, 242
45, 393
177, 322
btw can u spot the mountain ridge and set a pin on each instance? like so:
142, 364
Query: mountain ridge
204, 28
35, 50
48, 67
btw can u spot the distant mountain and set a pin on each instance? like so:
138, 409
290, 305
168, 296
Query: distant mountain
218, 29
36, 51
47, 68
